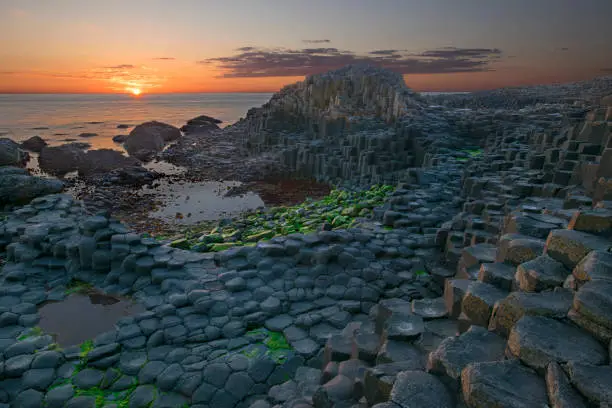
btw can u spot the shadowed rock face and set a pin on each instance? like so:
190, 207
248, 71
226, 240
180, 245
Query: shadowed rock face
59, 160
200, 124
103, 161
149, 138
11, 154
18, 186
34, 144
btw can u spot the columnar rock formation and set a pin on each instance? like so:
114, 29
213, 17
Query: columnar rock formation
337, 125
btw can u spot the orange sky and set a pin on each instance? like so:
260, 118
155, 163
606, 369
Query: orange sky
156, 46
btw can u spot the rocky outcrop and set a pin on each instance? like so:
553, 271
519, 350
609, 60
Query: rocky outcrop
17, 186
11, 154
34, 144
104, 160
201, 123
59, 160
148, 139
343, 124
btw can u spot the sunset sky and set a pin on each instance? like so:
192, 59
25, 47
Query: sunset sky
75, 46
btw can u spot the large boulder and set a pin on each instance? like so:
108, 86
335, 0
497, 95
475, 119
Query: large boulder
103, 161
34, 144
11, 154
59, 160
17, 186
200, 124
149, 138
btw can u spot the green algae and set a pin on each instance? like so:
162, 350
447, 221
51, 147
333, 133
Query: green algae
86, 347
77, 286
339, 209
275, 345
33, 332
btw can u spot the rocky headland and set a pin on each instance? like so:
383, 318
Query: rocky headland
463, 259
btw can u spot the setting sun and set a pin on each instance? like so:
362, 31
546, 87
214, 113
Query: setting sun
134, 91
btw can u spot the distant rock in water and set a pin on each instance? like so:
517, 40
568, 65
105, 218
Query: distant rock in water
11, 153
201, 123
17, 186
149, 138
59, 160
34, 144
123, 126
86, 134
120, 138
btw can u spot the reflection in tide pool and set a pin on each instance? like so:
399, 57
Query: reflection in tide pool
189, 203
81, 317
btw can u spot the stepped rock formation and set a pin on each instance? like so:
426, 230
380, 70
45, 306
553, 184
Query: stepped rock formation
341, 124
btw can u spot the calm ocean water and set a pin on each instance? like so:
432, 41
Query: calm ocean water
57, 117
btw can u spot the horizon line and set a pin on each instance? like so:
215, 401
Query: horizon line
186, 92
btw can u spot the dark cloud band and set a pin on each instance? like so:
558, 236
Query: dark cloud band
254, 62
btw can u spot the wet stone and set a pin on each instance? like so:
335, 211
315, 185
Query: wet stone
502, 384
29, 399
594, 382
540, 274
429, 308
88, 378
57, 397
497, 274
538, 340
38, 378
560, 391
508, 311
416, 388
150, 371
169, 377
569, 246
403, 327
216, 374
479, 300
142, 396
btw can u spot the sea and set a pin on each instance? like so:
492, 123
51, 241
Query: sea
62, 118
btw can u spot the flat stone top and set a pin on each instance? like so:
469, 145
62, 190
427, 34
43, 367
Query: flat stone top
537, 340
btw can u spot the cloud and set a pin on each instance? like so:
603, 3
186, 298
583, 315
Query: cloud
122, 66
316, 41
164, 58
455, 53
254, 62
384, 52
